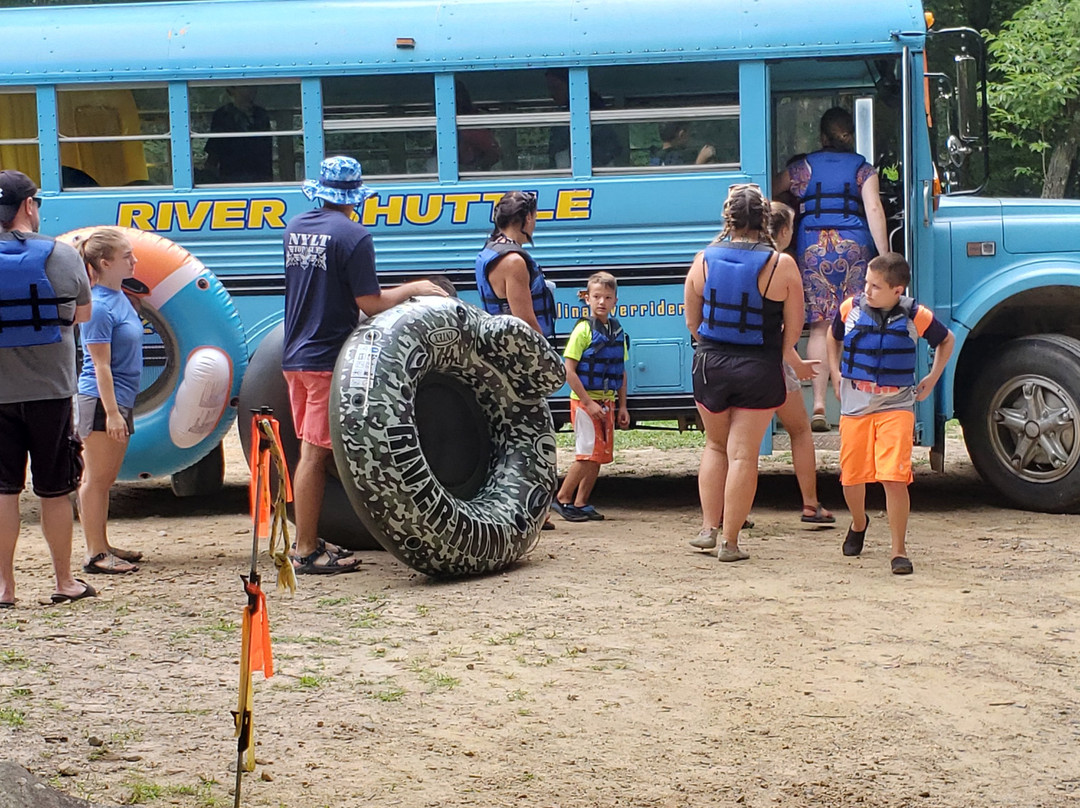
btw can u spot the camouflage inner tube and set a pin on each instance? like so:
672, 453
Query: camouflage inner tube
439, 421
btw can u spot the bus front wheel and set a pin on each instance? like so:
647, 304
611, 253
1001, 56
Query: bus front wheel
1021, 427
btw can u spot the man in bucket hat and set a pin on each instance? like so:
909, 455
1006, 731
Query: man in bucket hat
329, 281
37, 381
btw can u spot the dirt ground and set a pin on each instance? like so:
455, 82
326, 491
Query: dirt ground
613, 667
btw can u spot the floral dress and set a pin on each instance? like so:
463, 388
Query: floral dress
833, 262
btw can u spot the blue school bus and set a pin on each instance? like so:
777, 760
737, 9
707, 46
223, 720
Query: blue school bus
197, 121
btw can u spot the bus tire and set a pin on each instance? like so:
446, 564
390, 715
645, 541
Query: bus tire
264, 386
204, 478
1022, 426
439, 420
183, 413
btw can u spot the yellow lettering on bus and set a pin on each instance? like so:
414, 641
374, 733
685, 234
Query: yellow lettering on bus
228, 214
460, 203
164, 216
373, 209
188, 219
574, 204
138, 215
413, 213
266, 213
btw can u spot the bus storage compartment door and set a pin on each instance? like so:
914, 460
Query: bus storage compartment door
657, 365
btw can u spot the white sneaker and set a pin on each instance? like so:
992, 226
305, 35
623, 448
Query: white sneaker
706, 539
729, 553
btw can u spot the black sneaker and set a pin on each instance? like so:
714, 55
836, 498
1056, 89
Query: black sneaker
591, 512
568, 512
902, 566
854, 541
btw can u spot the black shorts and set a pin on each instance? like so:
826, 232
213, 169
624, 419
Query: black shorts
723, 380
90, 416
41, 430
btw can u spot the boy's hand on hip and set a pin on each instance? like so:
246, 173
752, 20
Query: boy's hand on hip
924, 388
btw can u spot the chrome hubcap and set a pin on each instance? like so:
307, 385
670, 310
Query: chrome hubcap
1033, 428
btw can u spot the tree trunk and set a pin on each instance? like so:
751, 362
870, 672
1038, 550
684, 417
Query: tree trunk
1061, 162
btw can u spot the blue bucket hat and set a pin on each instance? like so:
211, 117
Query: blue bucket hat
339, 183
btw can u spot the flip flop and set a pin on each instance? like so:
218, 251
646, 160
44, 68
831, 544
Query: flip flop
819, 517
92, 567
819, 423
7, 604
57, 598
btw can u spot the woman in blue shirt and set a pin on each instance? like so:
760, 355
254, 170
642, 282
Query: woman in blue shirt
108, 384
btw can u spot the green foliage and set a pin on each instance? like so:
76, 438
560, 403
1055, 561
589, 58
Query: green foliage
1035, 91
11, 717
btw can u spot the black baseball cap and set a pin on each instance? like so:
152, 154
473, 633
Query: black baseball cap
15, 188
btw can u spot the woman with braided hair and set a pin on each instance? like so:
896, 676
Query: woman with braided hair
508, 278
744, 306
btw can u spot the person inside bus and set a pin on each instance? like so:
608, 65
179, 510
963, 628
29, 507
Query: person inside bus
841, 226
478, 150
744, 306
605, 143
240, 159
675, 148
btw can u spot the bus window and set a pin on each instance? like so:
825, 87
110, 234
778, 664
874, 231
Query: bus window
666, 117
385, 122
114, 137
246, 133
18, 133
803, 89
523, 112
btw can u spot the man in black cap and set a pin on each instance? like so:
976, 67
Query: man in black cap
44, 290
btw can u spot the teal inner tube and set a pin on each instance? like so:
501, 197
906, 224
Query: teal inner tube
439, 420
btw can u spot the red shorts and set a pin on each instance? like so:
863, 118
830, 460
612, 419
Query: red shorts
309, 399
876, 447
594, 438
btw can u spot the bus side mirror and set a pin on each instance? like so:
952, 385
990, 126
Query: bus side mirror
967, 113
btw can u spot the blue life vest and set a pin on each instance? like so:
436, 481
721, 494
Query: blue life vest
28, 302
543, 300
602, 364
832, 199
878, 346
733, 310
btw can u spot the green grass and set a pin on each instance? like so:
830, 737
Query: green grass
13, 659
11, 717
666, 438
510, 638
390, 694
144, 792
325, 602
305, 639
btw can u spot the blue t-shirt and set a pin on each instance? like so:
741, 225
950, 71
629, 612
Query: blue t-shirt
113, 320
329, 262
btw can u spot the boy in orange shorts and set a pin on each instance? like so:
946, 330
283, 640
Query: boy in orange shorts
595, 358
872, 355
